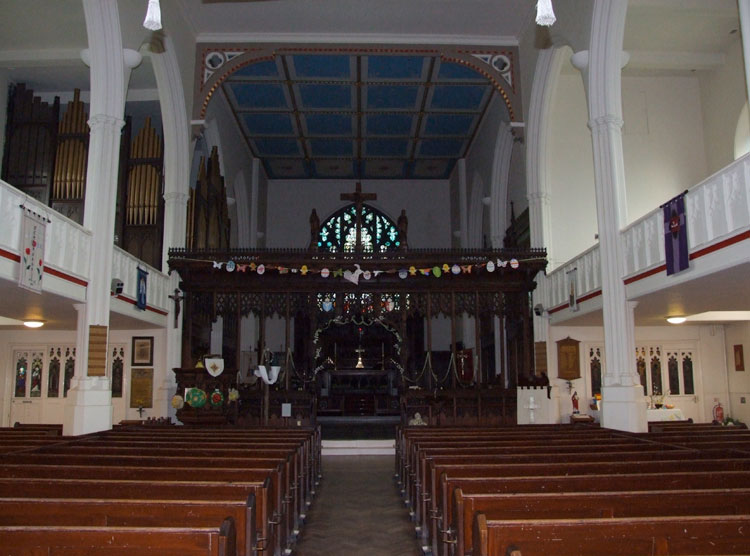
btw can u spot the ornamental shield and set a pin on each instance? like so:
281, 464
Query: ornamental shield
214, 366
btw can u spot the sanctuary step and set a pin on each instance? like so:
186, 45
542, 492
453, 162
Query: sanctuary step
356, 427
358, 447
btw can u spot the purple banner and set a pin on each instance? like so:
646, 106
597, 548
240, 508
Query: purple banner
675, 235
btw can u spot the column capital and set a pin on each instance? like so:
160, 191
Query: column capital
105, 120
605, 123
542, 196
176, 197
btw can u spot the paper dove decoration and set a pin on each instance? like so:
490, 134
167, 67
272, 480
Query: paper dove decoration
353, 277
263, 373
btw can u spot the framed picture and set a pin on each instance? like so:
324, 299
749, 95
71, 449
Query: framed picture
143, 350
739, 358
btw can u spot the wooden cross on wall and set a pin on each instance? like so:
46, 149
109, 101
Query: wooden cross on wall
358, 198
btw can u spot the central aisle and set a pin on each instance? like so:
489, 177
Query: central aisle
357, 510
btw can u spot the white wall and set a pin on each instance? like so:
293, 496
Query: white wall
53, 409
662, 140
739, 381
290, 202
709, 375
723, 94
571, 171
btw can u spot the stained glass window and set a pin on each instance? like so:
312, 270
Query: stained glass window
118, 358
595, 366
339, 233
21, 366
70, 368
53, 373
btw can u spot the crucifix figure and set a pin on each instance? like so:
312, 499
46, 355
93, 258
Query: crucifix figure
358, 198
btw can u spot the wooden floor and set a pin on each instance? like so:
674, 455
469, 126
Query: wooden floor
357, 510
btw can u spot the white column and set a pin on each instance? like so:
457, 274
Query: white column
623, 402
3, 111
176, 190
462, 202
499, 184
89, 403
744, 7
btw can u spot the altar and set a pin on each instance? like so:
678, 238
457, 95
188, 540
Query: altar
663, 414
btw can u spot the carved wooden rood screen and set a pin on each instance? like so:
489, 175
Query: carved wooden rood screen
357, 331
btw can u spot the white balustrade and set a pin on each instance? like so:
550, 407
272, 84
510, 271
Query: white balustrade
124, 267
716, 209
68, 244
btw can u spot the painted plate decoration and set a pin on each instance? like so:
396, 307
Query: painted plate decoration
178, 402
231, 266
217, 398
196, 397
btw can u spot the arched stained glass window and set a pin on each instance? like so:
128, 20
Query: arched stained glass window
339, 233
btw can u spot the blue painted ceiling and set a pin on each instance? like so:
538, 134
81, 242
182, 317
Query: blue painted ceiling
358, 116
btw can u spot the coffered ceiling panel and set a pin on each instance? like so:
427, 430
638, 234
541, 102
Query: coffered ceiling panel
358, 115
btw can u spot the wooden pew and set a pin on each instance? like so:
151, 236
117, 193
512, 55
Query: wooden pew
309, 439
651, 536
267, 539
134, 513
255, 468
119, 541
421, 479
434, 502
528, 506
657, 481
293, 493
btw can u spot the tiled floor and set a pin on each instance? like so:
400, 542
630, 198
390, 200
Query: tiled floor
358, 512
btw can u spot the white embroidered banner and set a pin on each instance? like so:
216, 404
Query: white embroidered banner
33, 232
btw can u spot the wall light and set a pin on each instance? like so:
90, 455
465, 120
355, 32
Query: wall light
33, 323
676, 320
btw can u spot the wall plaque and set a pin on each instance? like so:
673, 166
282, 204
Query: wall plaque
568, 359
141, 388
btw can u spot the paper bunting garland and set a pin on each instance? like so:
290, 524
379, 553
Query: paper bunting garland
354, 275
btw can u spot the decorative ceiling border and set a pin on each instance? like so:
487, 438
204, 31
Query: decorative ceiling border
215, 62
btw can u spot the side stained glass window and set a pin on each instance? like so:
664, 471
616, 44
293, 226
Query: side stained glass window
53, 372
118, 358
70, 368
22, 364
339, 233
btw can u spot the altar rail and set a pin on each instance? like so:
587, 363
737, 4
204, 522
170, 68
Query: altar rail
717, 208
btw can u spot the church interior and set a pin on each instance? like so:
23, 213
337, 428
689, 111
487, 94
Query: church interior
474, 233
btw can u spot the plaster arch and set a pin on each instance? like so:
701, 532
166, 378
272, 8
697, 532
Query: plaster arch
742, 133
499, 184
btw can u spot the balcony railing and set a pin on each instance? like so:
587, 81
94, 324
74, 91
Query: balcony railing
68, 245
124, 267
717, 208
